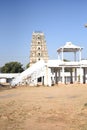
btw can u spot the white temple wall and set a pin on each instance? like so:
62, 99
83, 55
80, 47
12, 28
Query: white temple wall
47, 76
3, 80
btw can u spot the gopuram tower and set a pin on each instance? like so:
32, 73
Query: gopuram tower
38, 49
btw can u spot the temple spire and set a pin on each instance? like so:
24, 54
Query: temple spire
38, 49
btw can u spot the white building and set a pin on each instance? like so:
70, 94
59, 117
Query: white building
7, 77
55, 71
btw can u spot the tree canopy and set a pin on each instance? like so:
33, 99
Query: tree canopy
12, 67
28, 65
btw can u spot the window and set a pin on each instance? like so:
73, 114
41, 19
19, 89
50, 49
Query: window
38, 48
38, 37
38, 54
39, 79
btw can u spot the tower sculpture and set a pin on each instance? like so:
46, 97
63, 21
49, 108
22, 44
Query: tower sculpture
38, 49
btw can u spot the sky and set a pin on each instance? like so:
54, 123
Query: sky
60, 20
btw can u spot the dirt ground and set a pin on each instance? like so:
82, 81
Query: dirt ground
60, 107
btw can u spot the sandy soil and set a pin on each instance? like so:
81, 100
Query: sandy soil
61, 107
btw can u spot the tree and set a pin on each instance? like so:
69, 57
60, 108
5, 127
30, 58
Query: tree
28, 65
12, 67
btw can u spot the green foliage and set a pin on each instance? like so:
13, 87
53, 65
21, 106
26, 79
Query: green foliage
12, 67
28, 65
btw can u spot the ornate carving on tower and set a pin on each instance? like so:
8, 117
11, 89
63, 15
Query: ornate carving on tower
38, 49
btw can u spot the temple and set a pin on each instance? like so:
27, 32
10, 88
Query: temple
38, 49
61, 70
43, 71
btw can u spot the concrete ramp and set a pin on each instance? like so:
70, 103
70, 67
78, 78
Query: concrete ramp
30, 75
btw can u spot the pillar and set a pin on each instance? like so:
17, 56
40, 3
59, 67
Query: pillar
75, 74
84, 75
59, 76
62, 54
71, 76
74, 56
63, 77
81, 75
47, 77
56, 76
80, 55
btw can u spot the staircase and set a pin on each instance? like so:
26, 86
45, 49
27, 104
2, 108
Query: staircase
30, 75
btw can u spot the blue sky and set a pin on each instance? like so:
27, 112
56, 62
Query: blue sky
60, 20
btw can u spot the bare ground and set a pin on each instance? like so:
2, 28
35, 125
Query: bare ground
62, 107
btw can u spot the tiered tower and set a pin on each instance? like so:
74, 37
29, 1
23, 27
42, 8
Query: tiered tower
38, 49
